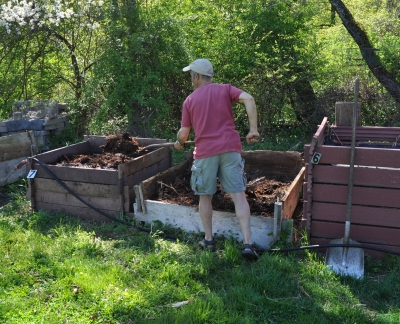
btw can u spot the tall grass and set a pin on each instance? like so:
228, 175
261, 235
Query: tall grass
59, 269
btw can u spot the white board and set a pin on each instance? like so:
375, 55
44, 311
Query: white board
224, 223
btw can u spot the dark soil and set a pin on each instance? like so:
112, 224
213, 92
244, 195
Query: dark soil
261, 194
118, 149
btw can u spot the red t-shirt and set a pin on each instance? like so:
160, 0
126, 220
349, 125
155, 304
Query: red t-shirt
209, 110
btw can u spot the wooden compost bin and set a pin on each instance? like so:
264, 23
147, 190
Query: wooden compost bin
108, 190
265, 163
375, 217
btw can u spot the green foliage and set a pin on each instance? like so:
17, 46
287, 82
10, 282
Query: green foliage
119, 65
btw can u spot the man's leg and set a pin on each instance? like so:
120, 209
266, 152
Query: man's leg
242, 210
205, 210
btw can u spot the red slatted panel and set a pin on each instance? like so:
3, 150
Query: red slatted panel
373, 253
366, 133
361, 196
359, 233
386, 217
375, 214
388, 158
363, 176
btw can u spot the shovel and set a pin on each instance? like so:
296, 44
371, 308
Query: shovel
171, 144
348, 261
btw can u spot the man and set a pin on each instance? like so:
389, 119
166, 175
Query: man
208, 109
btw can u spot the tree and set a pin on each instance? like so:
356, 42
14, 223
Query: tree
367, 50
68, 41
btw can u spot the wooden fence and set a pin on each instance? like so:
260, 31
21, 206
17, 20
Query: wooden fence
375, 218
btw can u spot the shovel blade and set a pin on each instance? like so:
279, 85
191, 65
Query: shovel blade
345, 261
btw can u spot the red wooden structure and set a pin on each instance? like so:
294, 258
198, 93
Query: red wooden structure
375, 218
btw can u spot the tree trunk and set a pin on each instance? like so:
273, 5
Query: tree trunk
303, 101
367, 51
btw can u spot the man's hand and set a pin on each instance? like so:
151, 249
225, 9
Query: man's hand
179, 146
252, 137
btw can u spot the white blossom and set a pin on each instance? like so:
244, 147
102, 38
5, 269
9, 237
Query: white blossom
22, 13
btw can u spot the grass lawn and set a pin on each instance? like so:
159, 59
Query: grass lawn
59, 269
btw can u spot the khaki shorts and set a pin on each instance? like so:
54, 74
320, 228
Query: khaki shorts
228, 167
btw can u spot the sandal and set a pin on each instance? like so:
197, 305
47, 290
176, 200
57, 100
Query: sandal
249, 252
207, 245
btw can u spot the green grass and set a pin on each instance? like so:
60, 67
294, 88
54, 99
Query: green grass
59, 269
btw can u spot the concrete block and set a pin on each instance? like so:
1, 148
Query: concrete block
41, 133
22, 124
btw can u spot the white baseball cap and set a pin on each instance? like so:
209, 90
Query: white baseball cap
201, 66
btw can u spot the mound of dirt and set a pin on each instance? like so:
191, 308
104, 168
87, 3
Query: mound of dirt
118, 149
261, 194
122, 143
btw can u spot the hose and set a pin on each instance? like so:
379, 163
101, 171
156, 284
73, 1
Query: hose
322, 246
167, 236
93, 207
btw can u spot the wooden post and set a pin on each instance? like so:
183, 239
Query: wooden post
344, 113
137, 198
34, 146
277, 221
141, 207
121, 187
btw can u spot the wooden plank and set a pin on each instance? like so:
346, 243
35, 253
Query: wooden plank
361, 195
79, 187
127, 202
145, 161
147, 173
359, 233
292, 196
15, 146
34, 146
149, 186
387, 158
305, 193
375, 254
148, 141
344, 113
53, 155
366, 215
58, 198
100, 176
273, 163
365, 133
318, 139
363, 176
307, 220
224, 223
81, 212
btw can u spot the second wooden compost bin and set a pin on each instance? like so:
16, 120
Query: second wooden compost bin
111, 191
375, 216
264, 229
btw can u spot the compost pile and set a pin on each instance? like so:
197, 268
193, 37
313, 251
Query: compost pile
261, 194
118, 149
